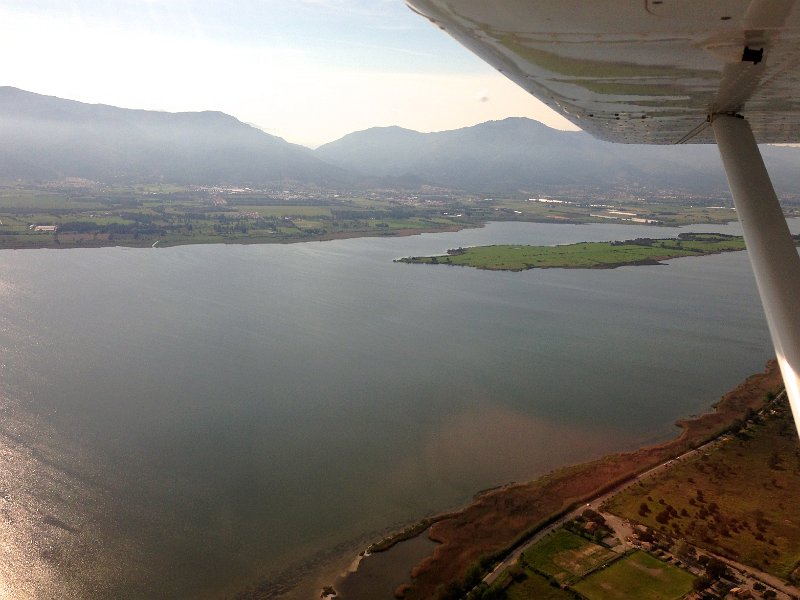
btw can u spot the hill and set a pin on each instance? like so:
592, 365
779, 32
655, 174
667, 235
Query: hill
521, 155
48, 138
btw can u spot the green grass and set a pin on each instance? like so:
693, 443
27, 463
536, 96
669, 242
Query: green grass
286, 211
535, 586
566, 556
663, 213
164, 211
138, 215
585, 255
411, 223
639, 576
308, 224
596, 572
739, 500
39, 201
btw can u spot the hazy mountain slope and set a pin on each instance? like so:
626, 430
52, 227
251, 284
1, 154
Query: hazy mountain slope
46, 137
521, 154
49, 138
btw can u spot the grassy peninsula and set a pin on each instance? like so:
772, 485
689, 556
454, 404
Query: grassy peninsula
585, 255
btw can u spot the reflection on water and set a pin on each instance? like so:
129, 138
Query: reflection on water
188, 422
57, 526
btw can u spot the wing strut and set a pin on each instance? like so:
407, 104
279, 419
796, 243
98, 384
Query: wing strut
773, 255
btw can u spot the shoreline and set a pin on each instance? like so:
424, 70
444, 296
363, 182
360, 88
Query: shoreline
499, 520
327, 237
584, 255
340, 235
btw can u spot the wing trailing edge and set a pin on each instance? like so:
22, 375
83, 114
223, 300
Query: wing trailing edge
645, 72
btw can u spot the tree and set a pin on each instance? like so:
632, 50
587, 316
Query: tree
715, 568
493, 593
683, 550
701, 583
592, 515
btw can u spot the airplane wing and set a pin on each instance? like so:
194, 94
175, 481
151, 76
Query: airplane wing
642, 71
667, 72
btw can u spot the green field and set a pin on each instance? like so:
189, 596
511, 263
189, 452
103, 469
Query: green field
663, 213
566, 556
288, 211
586, 255
566, 559
534, 586
91, 214
639, 576
701, 499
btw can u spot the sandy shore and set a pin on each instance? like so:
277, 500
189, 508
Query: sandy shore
498, 520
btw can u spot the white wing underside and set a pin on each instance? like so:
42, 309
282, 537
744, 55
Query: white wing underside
644, 71
667, 72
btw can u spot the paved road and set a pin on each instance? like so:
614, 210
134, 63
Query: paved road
595, 503
755, 575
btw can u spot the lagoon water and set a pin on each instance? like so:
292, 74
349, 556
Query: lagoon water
188, 422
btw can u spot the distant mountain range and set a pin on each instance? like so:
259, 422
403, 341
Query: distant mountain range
47, 138
519, 154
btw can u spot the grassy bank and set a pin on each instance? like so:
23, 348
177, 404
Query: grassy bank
701, 500
585, 255
502, 519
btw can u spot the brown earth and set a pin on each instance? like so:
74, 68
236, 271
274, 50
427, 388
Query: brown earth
500, 519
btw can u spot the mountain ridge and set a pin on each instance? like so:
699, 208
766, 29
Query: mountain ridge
48, 138
517, 154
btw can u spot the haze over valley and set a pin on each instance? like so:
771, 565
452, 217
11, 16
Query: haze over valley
49, 139
308, 300
193, 411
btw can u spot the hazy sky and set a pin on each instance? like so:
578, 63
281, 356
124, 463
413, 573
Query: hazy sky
309, 71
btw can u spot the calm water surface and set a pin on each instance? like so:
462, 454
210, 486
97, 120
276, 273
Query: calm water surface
185, 422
